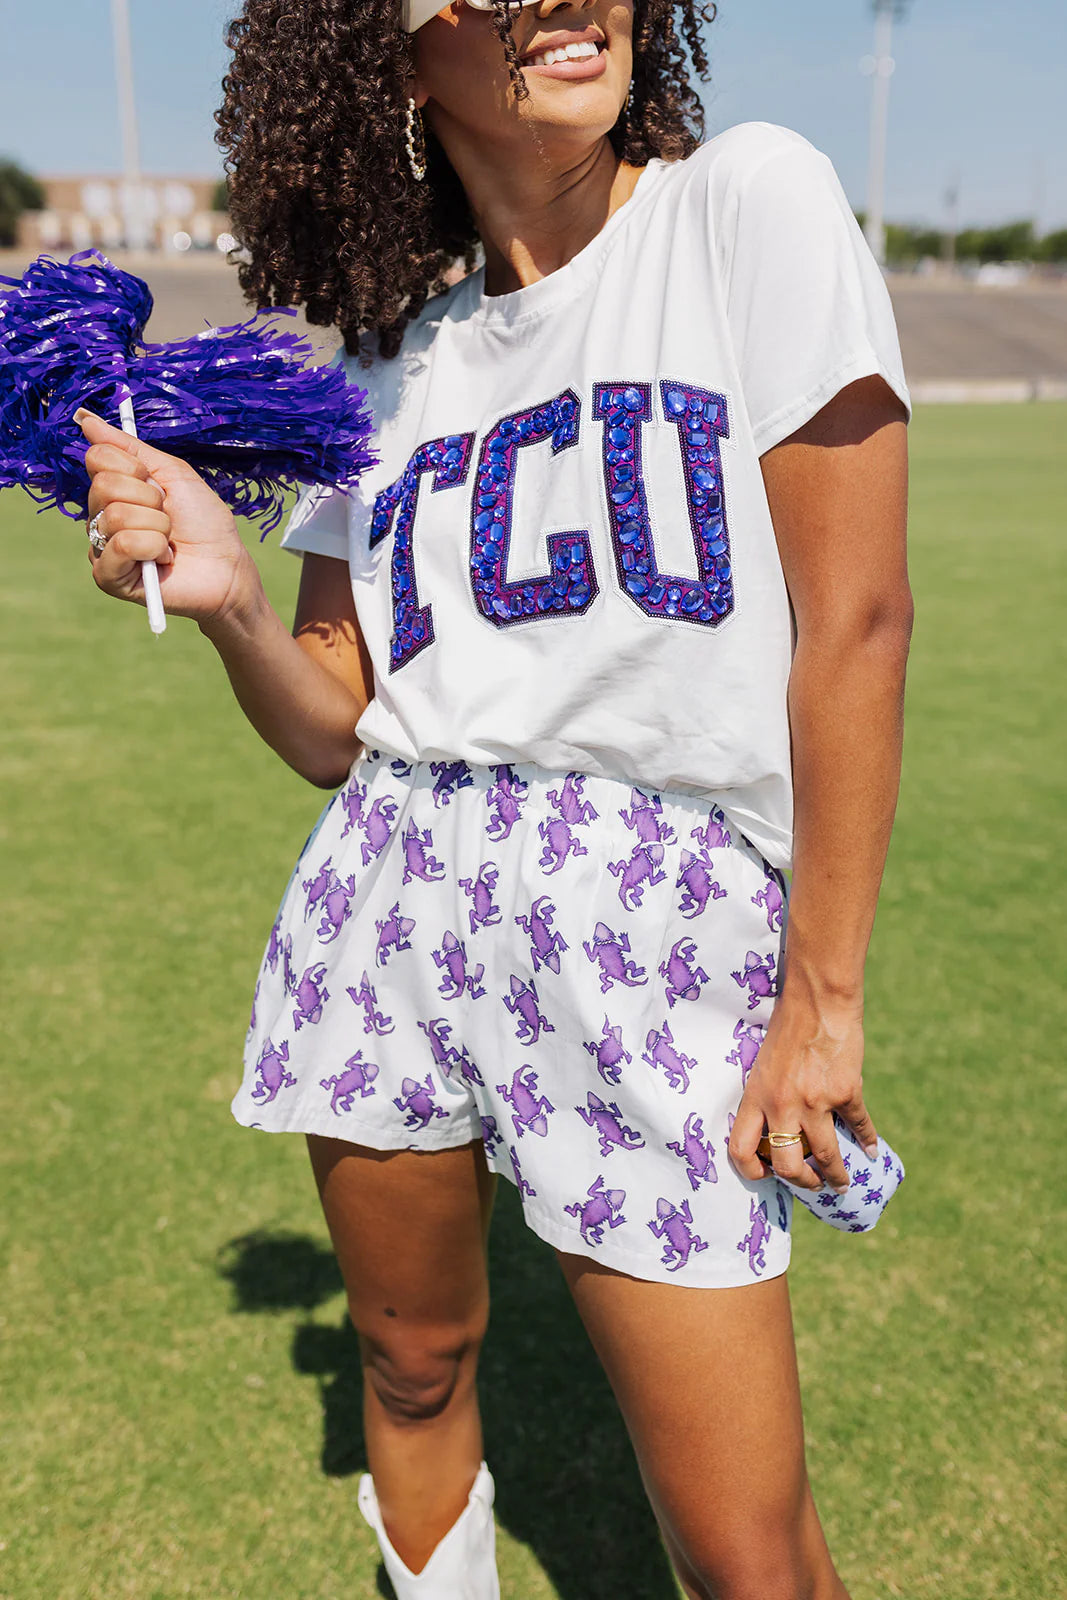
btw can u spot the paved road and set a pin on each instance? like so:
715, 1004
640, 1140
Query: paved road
947, 332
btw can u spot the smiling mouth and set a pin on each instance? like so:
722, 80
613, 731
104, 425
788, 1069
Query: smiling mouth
581, 50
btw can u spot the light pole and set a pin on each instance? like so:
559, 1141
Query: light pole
132, 205
880, 68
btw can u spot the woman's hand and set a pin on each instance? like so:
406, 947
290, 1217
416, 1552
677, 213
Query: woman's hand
154, 507
809, 1065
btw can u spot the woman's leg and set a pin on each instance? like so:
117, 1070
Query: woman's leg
708, 1386
409, 1230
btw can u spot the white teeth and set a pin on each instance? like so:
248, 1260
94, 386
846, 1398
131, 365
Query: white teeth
570, 52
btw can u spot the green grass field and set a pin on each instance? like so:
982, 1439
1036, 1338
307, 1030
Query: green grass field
178, 1393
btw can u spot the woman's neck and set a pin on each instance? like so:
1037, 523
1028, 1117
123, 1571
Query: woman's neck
532, 214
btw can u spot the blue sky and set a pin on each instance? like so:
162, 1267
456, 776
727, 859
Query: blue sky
979, 95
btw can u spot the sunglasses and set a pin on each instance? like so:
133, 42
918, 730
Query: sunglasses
418, 12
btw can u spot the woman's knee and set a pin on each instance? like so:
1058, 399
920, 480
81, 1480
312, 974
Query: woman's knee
415, 1375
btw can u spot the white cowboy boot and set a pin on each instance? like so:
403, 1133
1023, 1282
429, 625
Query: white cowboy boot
463, 1566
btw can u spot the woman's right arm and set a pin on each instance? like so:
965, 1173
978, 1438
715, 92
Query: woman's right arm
303, 691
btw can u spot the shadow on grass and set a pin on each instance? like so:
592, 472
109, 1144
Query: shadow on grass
566, 1481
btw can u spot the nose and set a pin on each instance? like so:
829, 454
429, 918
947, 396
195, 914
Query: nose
548, 7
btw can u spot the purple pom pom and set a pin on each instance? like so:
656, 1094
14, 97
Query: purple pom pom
242, 404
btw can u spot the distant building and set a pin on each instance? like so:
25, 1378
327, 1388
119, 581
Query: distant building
172, 215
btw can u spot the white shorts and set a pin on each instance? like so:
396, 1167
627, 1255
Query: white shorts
577, 972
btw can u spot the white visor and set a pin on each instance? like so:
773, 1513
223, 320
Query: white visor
417, 12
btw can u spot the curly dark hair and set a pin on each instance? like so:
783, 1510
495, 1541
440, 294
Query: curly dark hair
323, 204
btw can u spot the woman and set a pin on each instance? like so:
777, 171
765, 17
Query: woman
622, 617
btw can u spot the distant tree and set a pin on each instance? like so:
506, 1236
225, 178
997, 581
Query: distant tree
220, 199
1053, 246
905, 245
1013, 241
19, 192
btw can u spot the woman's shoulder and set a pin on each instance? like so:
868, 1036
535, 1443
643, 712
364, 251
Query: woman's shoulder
731, 161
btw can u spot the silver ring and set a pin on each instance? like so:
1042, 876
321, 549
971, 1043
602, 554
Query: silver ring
97, 539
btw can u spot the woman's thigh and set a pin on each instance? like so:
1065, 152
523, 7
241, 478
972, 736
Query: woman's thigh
409, 1230
708, 1385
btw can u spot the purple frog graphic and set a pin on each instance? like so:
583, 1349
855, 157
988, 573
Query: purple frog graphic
601, 1209
377, 828
771, 899
714, 835
438, 1032
457, 981
609, 951
757, 1235
546, 947
683, 979
374, 1021
644, 818
642, 871
417, 1101
483, 913
524, 1188
674, 1225
492, 1138
357, 1078
660, 1052
606, 1121
505, 798
523, 1002
749, 1036
273, 1074
310, 994
560, 843
696, 1151
530, 1111
274, 947
696, 880
451, 777
609, 1053
353, 798
466, 1067
393, 935
318, 887
575, 811
288, 970
419, 860
758, 978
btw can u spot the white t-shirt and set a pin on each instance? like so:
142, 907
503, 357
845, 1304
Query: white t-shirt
566, 555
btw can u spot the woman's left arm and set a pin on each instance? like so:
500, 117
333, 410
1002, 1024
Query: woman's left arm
838, 496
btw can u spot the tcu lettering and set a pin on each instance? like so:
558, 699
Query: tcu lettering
570, 586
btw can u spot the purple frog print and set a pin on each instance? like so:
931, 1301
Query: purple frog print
546, 946
661, 1052
606, 1121
374, 1021
674, 1225
758, 978
357, 1078
695, 878
417, 1101
642, 871
696, 1151
610, 951
523, 1002
601, 1209
419, 859
756, 1237
609, 1053
530, 1111
505, 798
311, 995
749, 1036
272, 1073
393, 935
457, 981
483, 913
683, 979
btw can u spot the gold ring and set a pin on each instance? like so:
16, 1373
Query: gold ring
778, 1141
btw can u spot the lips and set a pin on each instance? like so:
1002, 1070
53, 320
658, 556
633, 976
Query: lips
554, 44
